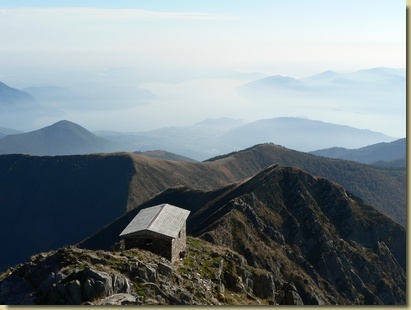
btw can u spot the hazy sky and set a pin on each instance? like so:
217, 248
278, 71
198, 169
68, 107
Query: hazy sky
190, 54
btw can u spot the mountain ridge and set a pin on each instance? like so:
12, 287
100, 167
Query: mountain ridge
369, 154
12, 97
201, 141
61, 138
300, 134
117, 183
320, 235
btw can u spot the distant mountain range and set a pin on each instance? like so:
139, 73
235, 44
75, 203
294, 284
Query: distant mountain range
201, 141
61, 138
365, 96
359, 82
20, 107
299, 134
383, 154
43, 198
6, 131
12, 98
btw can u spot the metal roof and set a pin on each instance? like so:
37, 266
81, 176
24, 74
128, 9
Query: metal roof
164, 219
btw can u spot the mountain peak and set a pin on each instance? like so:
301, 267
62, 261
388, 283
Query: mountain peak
316, 230
11, 96
64, 124
61, 138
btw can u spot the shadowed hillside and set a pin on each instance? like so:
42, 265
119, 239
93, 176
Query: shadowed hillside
43, 198
48, 202
303, 229
383, 188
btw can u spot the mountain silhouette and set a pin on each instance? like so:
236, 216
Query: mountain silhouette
300, 134
12, 98
61, 138
380, 152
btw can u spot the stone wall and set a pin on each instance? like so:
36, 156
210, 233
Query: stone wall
167, 247
179, 245
153, 243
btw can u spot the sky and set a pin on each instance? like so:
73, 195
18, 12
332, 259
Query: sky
190, 56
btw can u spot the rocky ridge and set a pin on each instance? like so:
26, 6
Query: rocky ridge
303, 229
209, 275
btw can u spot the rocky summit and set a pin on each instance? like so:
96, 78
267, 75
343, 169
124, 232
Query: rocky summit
304, 230
209, 275
312, 232
280, 237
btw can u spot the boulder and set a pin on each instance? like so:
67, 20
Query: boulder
121, 284
263, 285
165, 270
96, 284
120, 300
291, 296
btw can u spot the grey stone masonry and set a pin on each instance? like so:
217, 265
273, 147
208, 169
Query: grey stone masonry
159, 229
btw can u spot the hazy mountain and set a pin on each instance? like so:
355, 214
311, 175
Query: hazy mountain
61, 138
361, 97
380, 152
323, 77
7, 131
299, 134
52, 95
199, 141
361, 80
219, 136
303, 229
19, 108
43, 198
12, 98
274, 83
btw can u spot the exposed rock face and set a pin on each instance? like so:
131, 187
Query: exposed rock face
303, 229
312, 232
108, 185
281, 237
71, 276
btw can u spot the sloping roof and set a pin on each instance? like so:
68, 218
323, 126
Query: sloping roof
164, 219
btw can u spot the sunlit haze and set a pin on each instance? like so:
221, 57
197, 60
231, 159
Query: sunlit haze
140, 65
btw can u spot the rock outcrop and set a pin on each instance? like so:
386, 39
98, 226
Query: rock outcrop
304, 230
209, 275
280, 237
